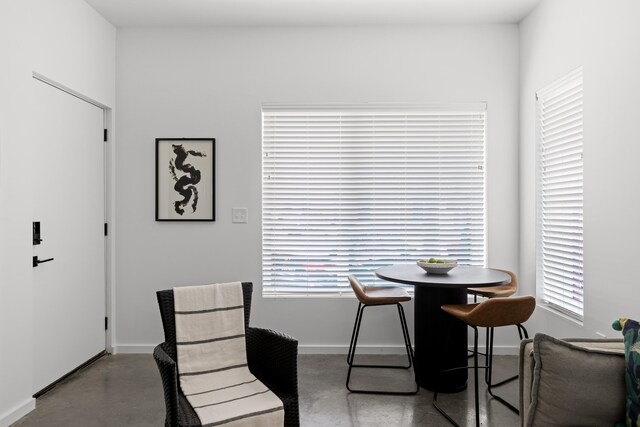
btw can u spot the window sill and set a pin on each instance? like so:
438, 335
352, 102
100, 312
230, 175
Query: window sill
558, 313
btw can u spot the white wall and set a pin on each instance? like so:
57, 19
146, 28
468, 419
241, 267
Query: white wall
211, 83
15, 251
67, 41
75, 46
602, 37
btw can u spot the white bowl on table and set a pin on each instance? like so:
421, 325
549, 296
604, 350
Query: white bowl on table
437, 267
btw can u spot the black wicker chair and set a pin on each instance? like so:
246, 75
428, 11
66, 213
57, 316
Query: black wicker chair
272, 358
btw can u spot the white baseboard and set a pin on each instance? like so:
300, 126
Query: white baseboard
13, 415
324, 349
388, 349
343, 349
501, 350
302, 349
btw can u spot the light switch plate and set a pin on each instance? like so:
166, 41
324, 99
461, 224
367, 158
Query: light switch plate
239, 215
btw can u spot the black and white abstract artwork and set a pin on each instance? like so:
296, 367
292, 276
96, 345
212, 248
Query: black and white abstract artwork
185, 179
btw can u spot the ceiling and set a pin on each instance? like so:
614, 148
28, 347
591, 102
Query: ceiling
208, 13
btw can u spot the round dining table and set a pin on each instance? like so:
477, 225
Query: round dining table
440, 341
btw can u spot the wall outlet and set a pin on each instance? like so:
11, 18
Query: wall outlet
240, 215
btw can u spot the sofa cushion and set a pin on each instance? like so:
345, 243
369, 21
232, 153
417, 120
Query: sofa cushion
631, 332
575, 386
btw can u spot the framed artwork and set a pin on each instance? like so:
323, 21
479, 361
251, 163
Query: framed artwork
185, 179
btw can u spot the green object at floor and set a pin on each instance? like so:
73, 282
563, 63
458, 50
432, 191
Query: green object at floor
631, 332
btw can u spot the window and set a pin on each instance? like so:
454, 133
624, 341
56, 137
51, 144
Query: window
559, 197
350, 189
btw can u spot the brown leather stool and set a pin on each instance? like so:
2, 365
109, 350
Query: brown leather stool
496, 291
500, 291
489, 314
376, 296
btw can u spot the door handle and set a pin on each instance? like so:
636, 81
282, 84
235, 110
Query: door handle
36, 261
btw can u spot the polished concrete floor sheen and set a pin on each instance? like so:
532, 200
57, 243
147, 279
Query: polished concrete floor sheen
125, 390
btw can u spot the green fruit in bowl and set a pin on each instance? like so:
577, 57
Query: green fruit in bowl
435, 261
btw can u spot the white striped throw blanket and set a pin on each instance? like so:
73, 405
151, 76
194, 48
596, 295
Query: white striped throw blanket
212, 359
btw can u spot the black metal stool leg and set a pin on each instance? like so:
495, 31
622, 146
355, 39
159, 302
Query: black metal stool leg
405, 334
490, 386
407, 342
435, 393
475, 300
354, 340
488, 354
475, 374
442, 411
476, 383
352, 352
356, 328
488, 379
522, 330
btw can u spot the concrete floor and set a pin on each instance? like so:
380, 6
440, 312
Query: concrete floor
125, 390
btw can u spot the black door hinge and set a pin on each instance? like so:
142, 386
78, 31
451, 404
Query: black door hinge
105, 135
106, 229
106, 323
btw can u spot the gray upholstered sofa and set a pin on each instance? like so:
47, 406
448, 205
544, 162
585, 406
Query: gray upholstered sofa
574, 382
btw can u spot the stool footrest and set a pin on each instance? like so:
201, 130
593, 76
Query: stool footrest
353, 365
393, 393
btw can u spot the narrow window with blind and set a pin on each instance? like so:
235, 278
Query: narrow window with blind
347, 190
559, 277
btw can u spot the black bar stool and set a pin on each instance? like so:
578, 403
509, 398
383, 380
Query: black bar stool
377, 296
490, 314
501, 291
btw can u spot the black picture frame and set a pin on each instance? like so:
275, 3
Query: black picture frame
185, 179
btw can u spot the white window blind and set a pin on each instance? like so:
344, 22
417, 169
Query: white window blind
350, 189
560, 189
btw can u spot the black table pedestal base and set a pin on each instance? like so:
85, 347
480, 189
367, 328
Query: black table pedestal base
440, 341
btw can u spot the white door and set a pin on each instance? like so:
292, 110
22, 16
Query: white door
69, 203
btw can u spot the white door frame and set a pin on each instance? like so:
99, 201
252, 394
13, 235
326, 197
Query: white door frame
109, 197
